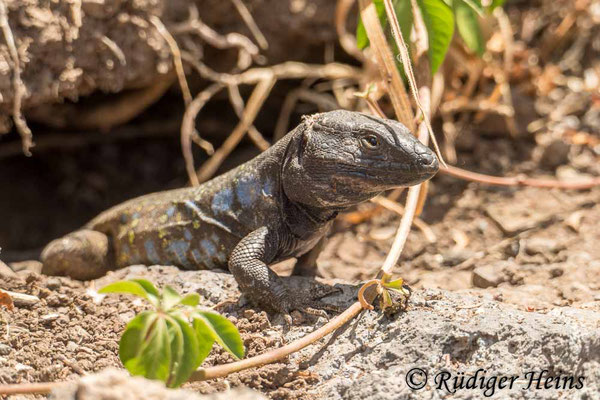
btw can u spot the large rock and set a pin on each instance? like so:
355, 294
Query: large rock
443, 334
70, 49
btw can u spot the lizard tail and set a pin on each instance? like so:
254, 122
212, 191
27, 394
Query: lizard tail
83, 254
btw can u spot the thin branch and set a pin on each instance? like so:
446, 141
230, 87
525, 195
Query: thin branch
282, 352
286, 70
247, 50
406, 63
29, 388
347, 41
116, 50
18, 86
519, 180
237, 103
188, 130
387, 66
164, 32
400, 210
251, 24
501, 76
255, 102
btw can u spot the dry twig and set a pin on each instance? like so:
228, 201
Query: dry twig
18, 86
238, 106
185, 89
247, 50
188, 130
251, 24
400, 210
256, 100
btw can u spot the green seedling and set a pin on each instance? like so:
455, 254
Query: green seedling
170, 341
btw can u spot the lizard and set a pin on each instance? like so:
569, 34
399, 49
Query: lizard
276, 206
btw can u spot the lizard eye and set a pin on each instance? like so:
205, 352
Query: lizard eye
370, 141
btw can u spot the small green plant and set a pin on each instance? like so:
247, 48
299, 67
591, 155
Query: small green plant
170, 341
439, 17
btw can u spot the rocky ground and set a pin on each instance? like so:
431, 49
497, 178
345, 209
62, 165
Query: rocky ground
73, 330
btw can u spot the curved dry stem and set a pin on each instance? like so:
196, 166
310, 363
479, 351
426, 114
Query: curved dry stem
361, 293
406, 63
347, 41
387, 66
251, 24
400, 210
368, 294
248, 51
519, 180
188, 130
256, 100
235, 98
164, 32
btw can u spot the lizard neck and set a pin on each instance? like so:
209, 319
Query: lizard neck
305, 221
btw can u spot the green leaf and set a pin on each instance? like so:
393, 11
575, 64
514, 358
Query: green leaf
190, 356
176, 341
131, 342
145, 348
170, 298
223, 331
153, 360
148, 287
395, 284
468, 27
362, 40
475, 5
439, 22
205, 336
386, 300
495, 4
191, 299
125, 287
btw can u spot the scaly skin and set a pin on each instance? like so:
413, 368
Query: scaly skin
276, 206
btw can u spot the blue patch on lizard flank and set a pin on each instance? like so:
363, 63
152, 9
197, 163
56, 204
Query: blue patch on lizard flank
209, 248
151, 252
247, 191
187, 234
222, 201
197, 256
171, 211
135, 215
267, 188
179, 249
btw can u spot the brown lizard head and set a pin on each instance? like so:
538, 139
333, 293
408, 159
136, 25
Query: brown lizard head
341, 158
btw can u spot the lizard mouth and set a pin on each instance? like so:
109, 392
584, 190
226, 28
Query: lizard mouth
381, 179
426, 168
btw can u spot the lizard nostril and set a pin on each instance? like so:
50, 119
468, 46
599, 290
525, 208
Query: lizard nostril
429, 162
427, 158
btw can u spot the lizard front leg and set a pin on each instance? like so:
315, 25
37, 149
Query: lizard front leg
248, 264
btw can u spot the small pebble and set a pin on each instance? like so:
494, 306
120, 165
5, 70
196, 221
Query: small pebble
5, 349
